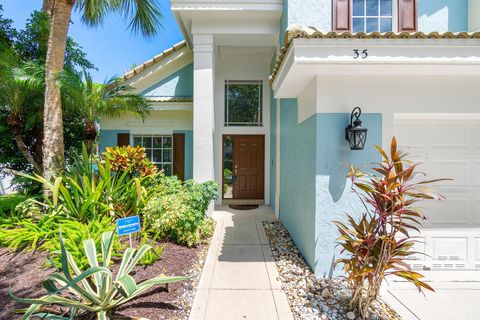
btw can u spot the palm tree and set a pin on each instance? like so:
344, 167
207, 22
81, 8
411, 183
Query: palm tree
93, 100
21, 83
145, 18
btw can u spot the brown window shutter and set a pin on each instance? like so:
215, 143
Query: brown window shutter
341, 15
123, 139
407, 15
179, 155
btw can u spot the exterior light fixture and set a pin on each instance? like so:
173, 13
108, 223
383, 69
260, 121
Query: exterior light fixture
355, 134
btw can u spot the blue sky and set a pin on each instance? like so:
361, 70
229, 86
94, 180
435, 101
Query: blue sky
111, 47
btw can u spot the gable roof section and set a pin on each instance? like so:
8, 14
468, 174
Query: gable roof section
167, 78
178, 84
298, 31
159, 57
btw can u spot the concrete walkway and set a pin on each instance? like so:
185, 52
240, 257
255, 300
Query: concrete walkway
456, 296
239, 279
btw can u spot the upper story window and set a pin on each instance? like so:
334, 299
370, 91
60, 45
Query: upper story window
372, 15
243, 103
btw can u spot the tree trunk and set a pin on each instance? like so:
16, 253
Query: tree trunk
53, 145
47, 6
24, 151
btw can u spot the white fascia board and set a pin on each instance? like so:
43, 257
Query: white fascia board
160, 70
308, 58
171, 106
218, 5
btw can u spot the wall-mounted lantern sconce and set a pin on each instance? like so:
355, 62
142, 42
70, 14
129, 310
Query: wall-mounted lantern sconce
355, 134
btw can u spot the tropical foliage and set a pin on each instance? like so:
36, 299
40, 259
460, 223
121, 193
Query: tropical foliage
95, 290
377, 245
22, 59
144, 16
130, 159
89, 195
180, 215
92, 100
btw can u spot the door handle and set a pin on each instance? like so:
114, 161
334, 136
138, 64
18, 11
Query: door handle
236, 170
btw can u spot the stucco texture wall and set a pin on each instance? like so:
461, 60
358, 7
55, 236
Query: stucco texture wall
297, 177
316, 13
273, 150
178, 84
443, 15
334, 197
108, 138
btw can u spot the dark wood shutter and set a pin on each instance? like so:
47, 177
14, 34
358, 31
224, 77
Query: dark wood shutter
179, 155
341, 15
123, 139
407, 15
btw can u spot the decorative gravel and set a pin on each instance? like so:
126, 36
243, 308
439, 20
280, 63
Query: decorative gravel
312, 297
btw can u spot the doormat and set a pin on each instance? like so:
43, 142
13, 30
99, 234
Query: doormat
243, 206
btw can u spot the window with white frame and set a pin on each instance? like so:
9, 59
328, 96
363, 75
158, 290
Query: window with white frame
243, 103
372, 15
159, 149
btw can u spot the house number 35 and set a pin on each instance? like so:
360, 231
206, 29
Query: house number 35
357, 53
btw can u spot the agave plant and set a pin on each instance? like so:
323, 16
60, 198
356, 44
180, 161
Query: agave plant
378, 244
95, 290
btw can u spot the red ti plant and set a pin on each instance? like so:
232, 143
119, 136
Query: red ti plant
377, 245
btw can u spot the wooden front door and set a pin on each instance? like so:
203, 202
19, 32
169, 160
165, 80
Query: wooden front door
248, 165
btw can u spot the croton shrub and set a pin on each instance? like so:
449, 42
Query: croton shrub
377, 245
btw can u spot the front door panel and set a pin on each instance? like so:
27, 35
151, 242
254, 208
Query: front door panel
249, 159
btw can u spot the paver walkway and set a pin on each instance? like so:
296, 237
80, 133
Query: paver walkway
239, 279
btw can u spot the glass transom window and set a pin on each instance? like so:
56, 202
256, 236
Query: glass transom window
243, 103
159, 149
372, 15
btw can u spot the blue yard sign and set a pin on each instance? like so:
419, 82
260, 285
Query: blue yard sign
128, 225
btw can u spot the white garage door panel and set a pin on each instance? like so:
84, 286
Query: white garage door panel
447, 148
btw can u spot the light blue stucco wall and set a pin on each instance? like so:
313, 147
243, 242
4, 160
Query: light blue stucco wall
433, 15
297, 178
316, 13
314, 188
108, 138
178, 84
188, 152
273, 149
442, 15
334, 196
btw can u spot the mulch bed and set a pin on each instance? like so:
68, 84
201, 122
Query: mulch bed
24, 273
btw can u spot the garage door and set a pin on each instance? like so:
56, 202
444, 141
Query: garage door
449, 147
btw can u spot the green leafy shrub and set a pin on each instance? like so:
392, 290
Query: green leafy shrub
27, 234
377, 245
95, 291
10, 201
181, 216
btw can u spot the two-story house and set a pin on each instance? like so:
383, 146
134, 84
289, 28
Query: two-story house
259, 94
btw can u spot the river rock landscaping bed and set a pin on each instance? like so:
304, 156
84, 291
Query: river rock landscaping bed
312, 297
24, 273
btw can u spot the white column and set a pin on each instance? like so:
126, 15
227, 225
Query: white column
203, 107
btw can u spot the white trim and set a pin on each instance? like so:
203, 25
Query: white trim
307, 58
160, 70
151, 124
436, 116
219, 5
